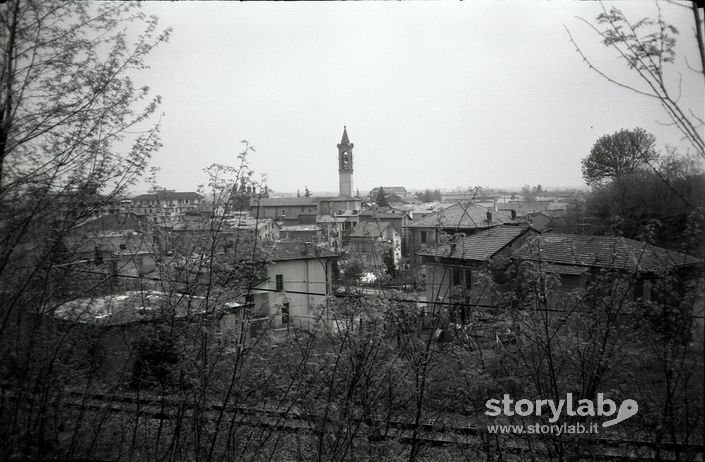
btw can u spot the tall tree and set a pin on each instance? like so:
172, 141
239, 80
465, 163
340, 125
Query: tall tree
73, 124
381, 198
619, 154
528, 193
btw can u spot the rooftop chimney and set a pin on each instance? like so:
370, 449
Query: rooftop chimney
489, 217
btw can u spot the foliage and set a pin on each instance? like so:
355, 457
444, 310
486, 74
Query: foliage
529, 193
155, 359
642, 206
648, 46
351, 271
381, 199
619, 154
429, 195
388, 259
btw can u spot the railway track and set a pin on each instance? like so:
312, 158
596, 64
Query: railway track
295, 421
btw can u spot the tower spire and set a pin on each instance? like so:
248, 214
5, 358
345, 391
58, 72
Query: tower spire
345, 139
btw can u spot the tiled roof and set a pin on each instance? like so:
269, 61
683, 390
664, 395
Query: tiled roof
293, 250
284, 201
462, 216
384, 213
480, 246
167, 196
300, 228
347, 213
111, 222
608, 252
134, 306
389, 190
330, 219
370, 229
250, 223
524, 207
337, 199
551, 213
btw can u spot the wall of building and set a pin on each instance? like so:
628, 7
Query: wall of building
277, 211
311, 276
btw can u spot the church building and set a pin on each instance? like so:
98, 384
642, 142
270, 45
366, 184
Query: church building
345, 165
344, 204
344, 201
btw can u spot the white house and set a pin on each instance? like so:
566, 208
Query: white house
297, 284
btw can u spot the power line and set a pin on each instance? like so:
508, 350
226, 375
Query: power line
359, 294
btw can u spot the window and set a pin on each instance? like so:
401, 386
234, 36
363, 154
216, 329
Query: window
639, 290
279, 282
456, 276
285, 314
468, 278
424, 237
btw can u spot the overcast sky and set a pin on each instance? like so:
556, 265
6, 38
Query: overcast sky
437, 95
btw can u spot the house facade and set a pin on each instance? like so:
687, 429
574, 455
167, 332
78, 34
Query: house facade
547, 219
466, 218
371, 242
453, 269
280, 208
304, 233
165, 205
115, 243
295, 289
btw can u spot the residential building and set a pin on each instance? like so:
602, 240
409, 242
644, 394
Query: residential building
72, 205
295, 289
332, 231
188, 237
372, 242
397, 218
576, 259
401, 199
466, 218
113, 243
400, 190
333, 205
165, 206
264, 228
452, 269
280, 208
547, 219
122, 321
303, 233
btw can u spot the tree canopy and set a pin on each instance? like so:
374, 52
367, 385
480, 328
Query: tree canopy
613, 156
381, 198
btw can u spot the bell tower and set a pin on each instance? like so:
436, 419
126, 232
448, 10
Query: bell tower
345, 165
